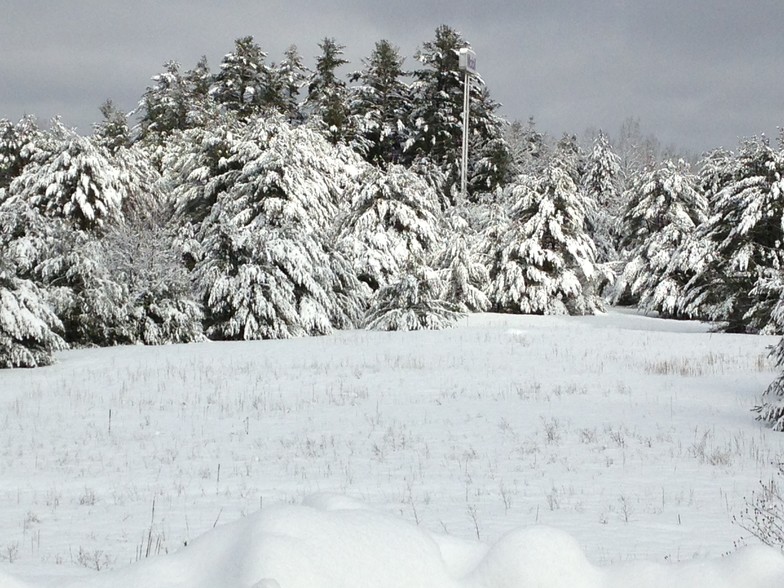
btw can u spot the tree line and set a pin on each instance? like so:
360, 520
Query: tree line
266, 200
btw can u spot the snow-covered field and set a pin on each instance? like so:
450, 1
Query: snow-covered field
630, 435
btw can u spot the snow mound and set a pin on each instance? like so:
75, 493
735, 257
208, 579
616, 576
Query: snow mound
335, 542
7, 581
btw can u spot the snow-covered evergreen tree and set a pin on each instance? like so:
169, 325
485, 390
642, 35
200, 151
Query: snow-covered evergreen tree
65, 264
602, 186
112, 132
464, 275
492, 223
200, 107
74, 179
528, 148
771, 407
266, 271
27, 325
570, 157
165, 105
87, 283
437, 113
379, 105
546, 263
63, 203
742, 243
412, 302
491, 167
393, 216
244, 84
717, 169
139, 255
198, 167
144, 188
17, 147
290, 76
664, 211
327, 101
28, 328
81, 292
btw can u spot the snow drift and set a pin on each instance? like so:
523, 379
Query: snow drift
334, 542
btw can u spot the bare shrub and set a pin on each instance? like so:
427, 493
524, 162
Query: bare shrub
763, 515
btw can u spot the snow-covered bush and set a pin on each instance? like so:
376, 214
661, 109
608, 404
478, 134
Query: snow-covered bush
412, 302
139, 255
763, 515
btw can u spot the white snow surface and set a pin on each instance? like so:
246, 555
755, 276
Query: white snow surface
511, 451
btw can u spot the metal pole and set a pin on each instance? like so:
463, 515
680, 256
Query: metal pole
464, 169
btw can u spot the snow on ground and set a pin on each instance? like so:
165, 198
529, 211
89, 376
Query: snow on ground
630, 435
332, 543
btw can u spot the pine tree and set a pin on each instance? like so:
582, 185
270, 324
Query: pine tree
716, 171
393, 217
437, 96
380, 105
465, 277
742, 243
437, 116
72, 178
411, 302
546, 264
664, 210
244, 84
17, 147
528, 148
164, 107
493, 225
175, 102
601, 184
771, 407
200, 107
290, 76
81, 291
491, 167
327, 94
112, 132
570, 157
198, 166
71, 195
143, 186
265, 271
27, 326
64, 263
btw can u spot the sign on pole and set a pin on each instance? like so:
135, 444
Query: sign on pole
468, 60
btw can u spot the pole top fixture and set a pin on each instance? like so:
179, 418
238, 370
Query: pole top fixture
467, 60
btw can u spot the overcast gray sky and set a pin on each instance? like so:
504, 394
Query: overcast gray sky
697, 74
